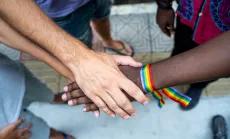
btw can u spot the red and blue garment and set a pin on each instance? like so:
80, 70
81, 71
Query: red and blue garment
208, 18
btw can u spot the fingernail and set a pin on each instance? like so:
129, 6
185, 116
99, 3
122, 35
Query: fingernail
145, 103
84, 109
70, 103
127, 117
113, 115
65, 88
134, 114
64, 97
96, 114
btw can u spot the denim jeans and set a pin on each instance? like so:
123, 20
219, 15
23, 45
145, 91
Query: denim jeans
78, 22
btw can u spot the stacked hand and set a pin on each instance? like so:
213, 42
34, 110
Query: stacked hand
75, 96
99, 77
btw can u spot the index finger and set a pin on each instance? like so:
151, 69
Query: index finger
70, 87
130, 88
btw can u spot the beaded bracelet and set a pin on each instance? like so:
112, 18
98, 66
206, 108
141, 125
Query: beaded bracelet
148, 86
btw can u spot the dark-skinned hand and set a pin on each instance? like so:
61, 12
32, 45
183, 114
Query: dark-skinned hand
75, 96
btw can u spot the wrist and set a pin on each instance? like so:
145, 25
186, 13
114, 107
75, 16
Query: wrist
164, 9
70, 77
73, 60
164, 4
139, 82
148, 78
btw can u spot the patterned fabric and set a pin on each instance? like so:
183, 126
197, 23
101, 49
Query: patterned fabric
221, 14
186, 9
208, 18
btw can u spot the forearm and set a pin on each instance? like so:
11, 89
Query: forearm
26, 17
206, 62
15, 40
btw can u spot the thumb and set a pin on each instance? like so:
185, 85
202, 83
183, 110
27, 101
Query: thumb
126, 61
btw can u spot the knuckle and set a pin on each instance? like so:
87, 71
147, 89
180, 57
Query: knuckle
102, 107
124, 103
114, 106
105, 84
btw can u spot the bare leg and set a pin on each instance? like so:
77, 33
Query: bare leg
102, 26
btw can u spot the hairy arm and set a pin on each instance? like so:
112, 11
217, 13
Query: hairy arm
97, 74
26, 17
14, 39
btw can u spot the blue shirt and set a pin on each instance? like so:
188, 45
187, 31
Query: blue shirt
12, 89
60, 8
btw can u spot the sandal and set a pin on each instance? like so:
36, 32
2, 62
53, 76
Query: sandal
124, 48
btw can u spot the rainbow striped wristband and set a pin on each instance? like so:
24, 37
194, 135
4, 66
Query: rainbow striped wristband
148, 86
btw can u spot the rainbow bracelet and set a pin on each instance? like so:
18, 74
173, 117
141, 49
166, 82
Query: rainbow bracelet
148, 86
173, 94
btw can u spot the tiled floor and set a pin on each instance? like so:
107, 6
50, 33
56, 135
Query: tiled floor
142, 32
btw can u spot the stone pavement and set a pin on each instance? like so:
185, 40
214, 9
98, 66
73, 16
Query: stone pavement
149, 123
